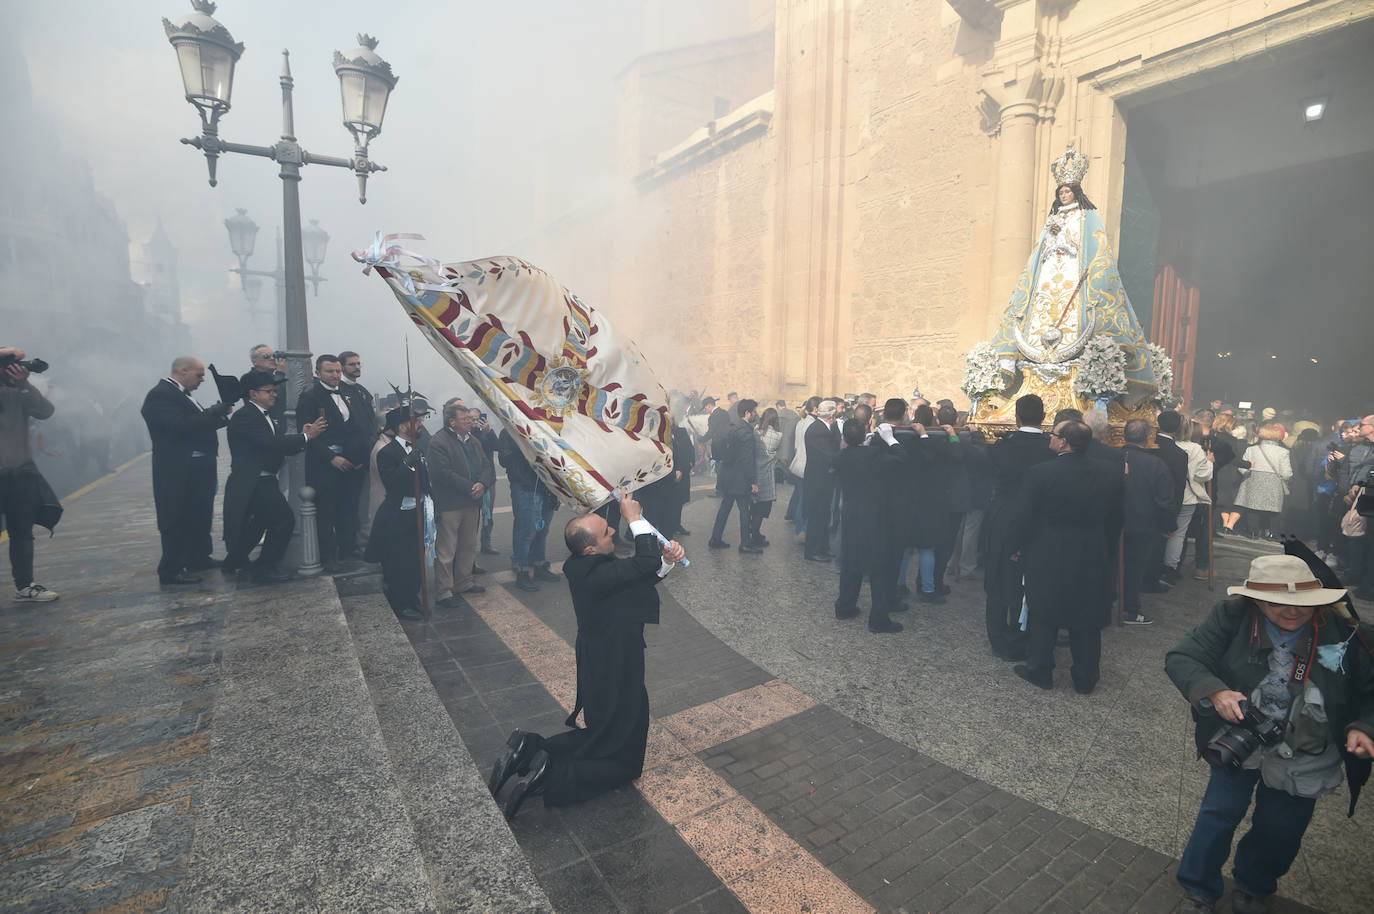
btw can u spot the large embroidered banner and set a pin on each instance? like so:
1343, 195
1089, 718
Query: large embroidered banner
578, 398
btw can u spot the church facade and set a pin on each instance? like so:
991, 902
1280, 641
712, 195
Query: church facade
846, 203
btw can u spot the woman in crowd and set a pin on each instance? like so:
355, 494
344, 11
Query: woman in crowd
1228, 472
1265, 482
766, 458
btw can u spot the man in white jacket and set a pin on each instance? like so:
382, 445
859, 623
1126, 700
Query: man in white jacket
1194, 495
797, 468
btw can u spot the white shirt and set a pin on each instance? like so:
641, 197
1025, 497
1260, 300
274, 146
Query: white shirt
642, 526
178, 385
339, 400
270, 424
1032, 429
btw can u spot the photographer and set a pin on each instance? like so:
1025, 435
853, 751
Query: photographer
22, 488
1275, 705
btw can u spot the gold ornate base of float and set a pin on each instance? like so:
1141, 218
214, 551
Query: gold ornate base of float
996, 415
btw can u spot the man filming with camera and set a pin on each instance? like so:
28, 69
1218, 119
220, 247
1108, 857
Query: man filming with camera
1282, 689
21, 484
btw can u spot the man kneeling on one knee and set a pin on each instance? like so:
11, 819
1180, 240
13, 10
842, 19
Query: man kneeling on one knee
613, 598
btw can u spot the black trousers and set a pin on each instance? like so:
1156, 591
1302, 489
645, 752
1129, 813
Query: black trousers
336, 509
818, 493
1002, 581
401, 566
723, 513
882, 588
267, 513
575, 779
184, 516
1139, 553
18, 504
1085, 645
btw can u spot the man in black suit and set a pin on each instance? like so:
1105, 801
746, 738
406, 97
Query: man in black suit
614, 599
822, 443
1011, 457
185, 439
1176, 459
1149, 517
736, 476
253, 503
1068, 510
395, 540
870, 475
336, 460
717, 427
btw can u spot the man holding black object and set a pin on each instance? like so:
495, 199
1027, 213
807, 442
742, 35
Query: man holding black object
1282, 693
23, 491
614, 598
185, 437
253, 503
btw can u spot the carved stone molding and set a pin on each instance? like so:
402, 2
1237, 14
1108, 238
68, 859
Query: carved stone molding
1026, 90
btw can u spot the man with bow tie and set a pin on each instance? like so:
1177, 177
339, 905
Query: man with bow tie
253, 503
335, 461
185, 437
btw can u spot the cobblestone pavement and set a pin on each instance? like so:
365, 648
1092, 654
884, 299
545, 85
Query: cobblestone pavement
795, 763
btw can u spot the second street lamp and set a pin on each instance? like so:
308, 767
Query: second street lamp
207, 55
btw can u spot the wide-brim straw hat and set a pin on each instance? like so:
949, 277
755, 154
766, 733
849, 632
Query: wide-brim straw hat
1285, 579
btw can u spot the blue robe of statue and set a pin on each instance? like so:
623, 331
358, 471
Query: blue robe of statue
1069, 291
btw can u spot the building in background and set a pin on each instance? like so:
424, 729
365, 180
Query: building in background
837, 196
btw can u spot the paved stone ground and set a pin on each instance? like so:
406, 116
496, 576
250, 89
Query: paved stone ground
795, 763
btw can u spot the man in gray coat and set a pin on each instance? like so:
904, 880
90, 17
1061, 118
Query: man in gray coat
460, 473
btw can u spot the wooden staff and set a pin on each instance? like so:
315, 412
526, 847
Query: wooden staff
419, 503
1121, 564
1211, 544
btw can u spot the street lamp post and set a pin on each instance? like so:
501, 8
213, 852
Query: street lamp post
207, 55
242, 234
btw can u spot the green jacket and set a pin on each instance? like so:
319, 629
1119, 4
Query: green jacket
1222, 653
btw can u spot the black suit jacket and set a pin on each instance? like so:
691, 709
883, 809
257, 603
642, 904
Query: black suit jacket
352, 438
822, 447
717, 425
254, 448
1176, 459
1149, 506
394, 532
613, 599
1068, 513
177, 428
1011, 457
738, 471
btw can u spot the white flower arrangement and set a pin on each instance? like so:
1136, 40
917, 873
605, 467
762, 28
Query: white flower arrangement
1163, 368
1101, 369
982, 373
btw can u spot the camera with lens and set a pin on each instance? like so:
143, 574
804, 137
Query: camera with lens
36, 366
1230, 746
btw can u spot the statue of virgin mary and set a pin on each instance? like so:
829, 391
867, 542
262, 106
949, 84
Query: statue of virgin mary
1069, 291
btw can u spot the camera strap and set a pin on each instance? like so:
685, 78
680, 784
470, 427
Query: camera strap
1303, 656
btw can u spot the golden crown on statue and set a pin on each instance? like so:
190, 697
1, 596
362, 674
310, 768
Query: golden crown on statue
1069, 168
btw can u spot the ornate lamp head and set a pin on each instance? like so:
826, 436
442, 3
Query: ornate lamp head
1069, 168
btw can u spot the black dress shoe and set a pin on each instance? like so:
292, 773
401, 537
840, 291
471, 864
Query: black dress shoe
544, 573
1084, 688
181, 578
520, 748
450, 602
822, 557
900, 606
762, 541
487, 550
683, 531
1035, 678
478, 569
527, 786
409, 614
885, 628
717, 544
476, 588
929, 597
751, 550
846, 613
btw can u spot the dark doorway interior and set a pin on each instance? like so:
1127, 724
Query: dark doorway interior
1272, 220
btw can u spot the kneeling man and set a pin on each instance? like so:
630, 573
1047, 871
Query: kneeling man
613, 598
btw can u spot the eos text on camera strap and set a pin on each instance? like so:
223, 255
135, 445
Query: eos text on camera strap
1303, 656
